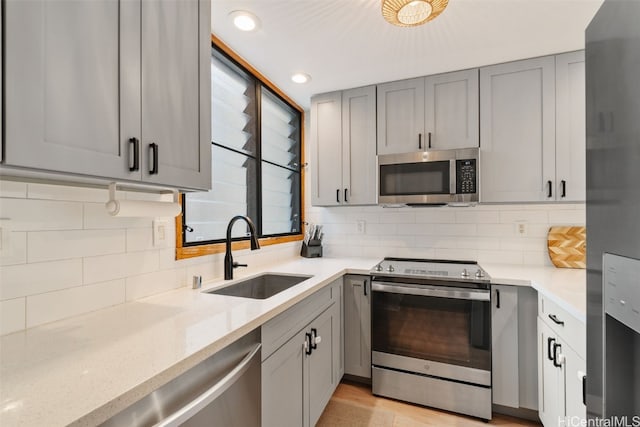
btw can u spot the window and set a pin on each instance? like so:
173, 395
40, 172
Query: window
256, 150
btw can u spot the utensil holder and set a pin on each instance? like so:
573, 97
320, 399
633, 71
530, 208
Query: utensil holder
311, 250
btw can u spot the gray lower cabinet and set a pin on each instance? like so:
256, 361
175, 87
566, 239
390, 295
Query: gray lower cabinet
91, 91
299, 377
513, 329
357, 326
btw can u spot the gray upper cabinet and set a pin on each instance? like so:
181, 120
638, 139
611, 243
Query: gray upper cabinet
343, 148
401, 116
93, 83
570, 127
357, 326
451, 110
517, 122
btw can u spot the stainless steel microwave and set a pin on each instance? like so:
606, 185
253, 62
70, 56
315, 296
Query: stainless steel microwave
436, 177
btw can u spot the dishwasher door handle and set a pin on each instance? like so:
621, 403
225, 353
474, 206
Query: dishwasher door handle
193, 407
431, 291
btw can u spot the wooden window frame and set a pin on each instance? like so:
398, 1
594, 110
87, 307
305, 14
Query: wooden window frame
184, 252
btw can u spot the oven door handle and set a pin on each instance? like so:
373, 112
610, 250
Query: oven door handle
432, 291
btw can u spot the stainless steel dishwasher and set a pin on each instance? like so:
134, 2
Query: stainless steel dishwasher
223, 390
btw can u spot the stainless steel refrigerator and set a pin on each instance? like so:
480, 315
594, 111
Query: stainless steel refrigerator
613, 211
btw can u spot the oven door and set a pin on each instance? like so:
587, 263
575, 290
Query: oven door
442, 331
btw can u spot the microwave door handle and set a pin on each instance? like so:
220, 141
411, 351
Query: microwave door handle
431, 291
452, 176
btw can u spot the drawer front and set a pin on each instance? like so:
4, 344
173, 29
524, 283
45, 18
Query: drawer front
281, 328
566, 326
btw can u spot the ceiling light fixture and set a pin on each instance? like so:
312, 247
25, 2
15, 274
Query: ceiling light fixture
300, 78
410, 13
245, 21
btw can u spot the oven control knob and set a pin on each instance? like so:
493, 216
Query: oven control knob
479, 274
464, 273
378, 267
390, 269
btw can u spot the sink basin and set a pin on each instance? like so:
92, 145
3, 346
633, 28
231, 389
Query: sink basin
261, 287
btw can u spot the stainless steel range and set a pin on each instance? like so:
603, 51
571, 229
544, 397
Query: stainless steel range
431, 334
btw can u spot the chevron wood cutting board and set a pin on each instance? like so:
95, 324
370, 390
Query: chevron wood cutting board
568, 246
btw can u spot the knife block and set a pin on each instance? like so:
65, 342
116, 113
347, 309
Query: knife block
311, 250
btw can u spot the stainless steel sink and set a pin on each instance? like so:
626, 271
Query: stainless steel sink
261, 287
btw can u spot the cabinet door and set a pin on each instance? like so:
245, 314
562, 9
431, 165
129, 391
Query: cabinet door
517, 122
504, 345
326, 149
359, 146
401, 116
357, 326
321, 370
283, 391
451, 110
570, 127
176, 92
575, 368
550, 378
73, 100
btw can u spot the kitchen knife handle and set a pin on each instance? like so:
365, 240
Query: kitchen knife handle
549, 188
154, 158
429, 139
420, 141
135, 155
564, 188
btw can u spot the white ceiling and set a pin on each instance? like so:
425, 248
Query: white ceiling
346, 43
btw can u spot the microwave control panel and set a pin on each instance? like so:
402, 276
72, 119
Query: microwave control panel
466, 176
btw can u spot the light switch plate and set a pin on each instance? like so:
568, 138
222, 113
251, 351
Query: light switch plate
160, 233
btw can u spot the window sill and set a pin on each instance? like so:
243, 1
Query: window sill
217, 248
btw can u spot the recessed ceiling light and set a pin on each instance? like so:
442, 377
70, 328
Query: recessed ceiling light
245, 21
300, 78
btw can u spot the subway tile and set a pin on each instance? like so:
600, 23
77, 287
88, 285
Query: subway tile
495, 230
12, 315
482, 243
32, 279
17, 252
368, 217
381, 229
454, 230
441, 215
52, 306
54, 245
145, 196
540, 258
104, 268
567, 217
96, 217
36, 215
12, 189
391, 217
434, 242
415, 229
152, 283
537, 230
458, 254
477, 217
523, 243
500, 257
534, 217
67, 192
139, 239
142, 262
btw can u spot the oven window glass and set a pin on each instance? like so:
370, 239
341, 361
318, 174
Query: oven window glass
409, 179
446, 330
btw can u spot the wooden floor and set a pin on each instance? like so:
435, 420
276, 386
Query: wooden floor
353, 405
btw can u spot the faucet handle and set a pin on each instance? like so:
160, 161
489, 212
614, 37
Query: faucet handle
236, 265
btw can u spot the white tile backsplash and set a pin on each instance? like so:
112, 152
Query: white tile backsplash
12, 189
17, 249
12, 315
52, 245
148, 284
29, 279
30, 215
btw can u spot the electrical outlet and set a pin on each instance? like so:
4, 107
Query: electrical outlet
361, 226
160, 230
521, 229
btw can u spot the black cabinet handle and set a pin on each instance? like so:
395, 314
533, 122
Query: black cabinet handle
584, 390
420, 141
429, 139
497, 298
555, 355
346, 200
564, 188
314, 334
135, 165
338, 195
549, 188
308, 347
556, 320
154, 158
550, 342
365, 288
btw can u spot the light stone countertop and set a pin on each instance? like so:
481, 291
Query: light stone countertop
87, 368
